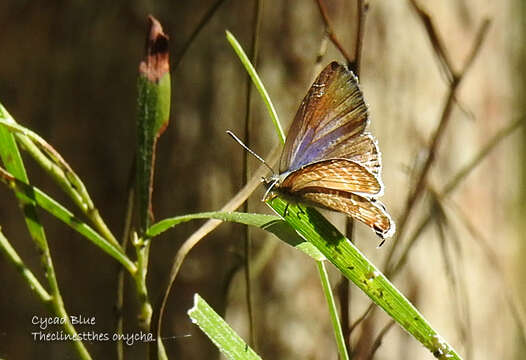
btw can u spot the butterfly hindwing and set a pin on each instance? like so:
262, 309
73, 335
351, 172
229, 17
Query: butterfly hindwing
332, 112
336, 174
371, 213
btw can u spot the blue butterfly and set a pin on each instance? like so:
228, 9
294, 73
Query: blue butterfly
329, 159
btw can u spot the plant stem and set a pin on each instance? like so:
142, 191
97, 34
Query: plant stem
17, 262
142, 247
324, 277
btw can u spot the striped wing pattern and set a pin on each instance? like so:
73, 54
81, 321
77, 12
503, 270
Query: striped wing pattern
329, 160
371, 213
336, 174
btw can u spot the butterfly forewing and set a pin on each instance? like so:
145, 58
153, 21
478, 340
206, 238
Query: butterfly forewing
336, 174
333, 111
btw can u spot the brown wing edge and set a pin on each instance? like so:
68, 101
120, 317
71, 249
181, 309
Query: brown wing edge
371, 212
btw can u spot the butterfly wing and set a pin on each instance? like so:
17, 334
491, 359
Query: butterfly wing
329, 160
336, 174
362, 149
372, 213
333, 113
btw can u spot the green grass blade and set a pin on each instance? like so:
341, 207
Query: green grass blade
270, 223
31, 193
221, 334
29, 277
329, 243
335, 320
12, 160
257, 83
55, 165
238, 217
357, 268
13, 163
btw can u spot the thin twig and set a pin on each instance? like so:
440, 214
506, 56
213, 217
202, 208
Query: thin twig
453, 184
206, 18
362, 8
330, 32
440, 50
378, 341
493, 260
254, 55
355, 66
415, 195
119, 302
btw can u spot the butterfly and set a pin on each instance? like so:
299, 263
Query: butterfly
329, 159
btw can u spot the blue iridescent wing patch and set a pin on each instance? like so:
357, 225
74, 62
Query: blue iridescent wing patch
329, 160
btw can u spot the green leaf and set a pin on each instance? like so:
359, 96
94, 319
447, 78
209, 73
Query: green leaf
270, 223
221, 334
30, 193
13, 163
313, 227
261, 221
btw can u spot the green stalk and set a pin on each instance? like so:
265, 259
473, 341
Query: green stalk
19, 265
335, 319
13, 162
153, 107
60, 171
356, 267
143, 252
38, 197
257, 83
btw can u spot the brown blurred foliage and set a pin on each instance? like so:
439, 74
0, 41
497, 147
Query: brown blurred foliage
68, 71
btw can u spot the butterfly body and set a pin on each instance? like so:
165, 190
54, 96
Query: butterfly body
329, 160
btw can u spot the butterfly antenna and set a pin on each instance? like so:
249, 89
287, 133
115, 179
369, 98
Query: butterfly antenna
249, 151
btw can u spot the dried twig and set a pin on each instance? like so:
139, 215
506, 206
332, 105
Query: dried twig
415, 195
445, 63
452, 185
355, 64
330, 32
378, 341
254, 52
206, 18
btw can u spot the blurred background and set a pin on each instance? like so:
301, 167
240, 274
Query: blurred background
68, 71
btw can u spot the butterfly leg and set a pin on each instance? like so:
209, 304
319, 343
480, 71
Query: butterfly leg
286, 210
301, 211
